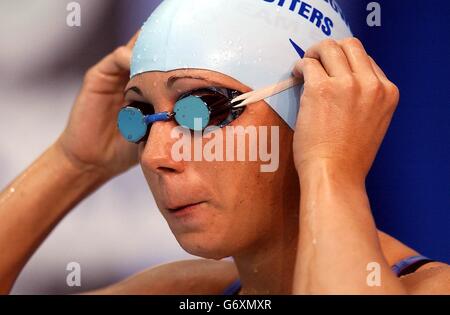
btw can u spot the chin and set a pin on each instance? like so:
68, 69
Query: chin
204, 245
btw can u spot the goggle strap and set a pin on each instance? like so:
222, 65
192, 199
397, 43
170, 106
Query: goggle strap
164, 116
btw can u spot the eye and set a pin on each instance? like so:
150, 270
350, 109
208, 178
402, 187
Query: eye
218, 100
207, 91
145, 108
226, 117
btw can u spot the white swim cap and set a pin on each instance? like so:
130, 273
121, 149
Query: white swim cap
257, 42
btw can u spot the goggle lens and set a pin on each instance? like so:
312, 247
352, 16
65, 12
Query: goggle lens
195, 111
192, 113
132, 124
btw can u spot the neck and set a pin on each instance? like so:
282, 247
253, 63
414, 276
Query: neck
268, 267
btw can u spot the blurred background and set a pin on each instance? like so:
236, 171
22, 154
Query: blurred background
118, 231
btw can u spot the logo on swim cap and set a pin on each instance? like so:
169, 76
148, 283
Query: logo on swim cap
257, 42
300, 51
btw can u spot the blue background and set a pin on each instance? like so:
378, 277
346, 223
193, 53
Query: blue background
409, 185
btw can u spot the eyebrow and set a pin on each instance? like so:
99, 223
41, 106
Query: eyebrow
135, 89
173, 79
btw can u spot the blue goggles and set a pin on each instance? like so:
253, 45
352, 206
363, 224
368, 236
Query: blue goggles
195, 110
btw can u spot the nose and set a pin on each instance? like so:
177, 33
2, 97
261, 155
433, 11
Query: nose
157, 154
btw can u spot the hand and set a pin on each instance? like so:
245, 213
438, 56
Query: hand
91, 140
345, 110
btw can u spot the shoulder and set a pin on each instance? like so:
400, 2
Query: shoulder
431, 278
197, 276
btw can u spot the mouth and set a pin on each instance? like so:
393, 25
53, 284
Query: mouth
184, 209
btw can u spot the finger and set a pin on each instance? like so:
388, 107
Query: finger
356, 55
116, 63
378, 71
333, 59
133, 40
310, 70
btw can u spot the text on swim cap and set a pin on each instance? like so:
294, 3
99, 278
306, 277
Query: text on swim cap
335, 6
307, 11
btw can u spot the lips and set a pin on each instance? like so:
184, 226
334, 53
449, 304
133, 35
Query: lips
184, 206
178, 195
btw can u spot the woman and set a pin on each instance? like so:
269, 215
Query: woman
306, 228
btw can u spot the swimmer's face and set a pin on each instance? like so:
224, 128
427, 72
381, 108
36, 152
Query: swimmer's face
232, 205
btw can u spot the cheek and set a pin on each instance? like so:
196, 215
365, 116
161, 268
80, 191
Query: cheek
141, 148
154, 186
242, 185
150, 177
240, 189
250, 205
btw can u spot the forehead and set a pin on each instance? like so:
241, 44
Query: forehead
171, 79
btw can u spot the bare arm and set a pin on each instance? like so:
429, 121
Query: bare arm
190, 277
345, 111
89, 152
338, 238
33, 204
